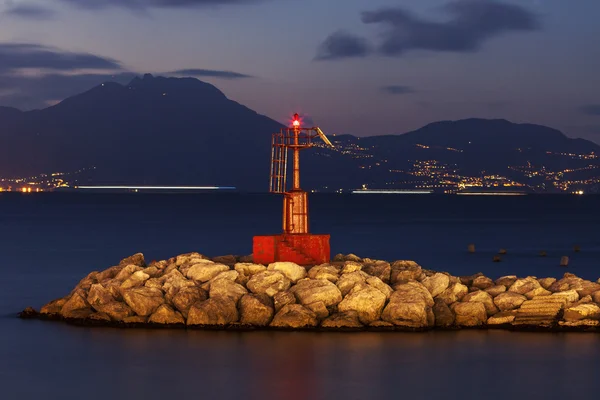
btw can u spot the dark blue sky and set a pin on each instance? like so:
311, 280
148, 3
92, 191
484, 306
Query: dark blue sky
363, 67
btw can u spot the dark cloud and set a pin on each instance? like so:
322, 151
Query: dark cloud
397, 89
29, 11
470, 24
590, 109
18, 56
342, 45
143, 4
211, 73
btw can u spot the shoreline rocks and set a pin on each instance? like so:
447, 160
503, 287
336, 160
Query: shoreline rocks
349, 294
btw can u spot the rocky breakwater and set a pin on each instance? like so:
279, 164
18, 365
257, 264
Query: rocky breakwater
350, 293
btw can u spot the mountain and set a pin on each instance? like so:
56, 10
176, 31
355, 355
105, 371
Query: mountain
181, 131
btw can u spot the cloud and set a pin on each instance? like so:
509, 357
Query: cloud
342, 45
211, 73
397, 89
470, 24
29, 11
590, 109
144, 4
19, 56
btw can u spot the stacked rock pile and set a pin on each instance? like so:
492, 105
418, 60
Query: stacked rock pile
191, 290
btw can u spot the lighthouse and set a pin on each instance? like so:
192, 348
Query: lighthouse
295, 244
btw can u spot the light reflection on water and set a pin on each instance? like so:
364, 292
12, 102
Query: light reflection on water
154, 364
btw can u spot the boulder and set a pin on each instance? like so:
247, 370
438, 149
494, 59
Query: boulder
484, 298
98, 295
583, 311
351, 266
587, 288
341, 320
53, 307
126, 272
537, 292
186, 258
410, 306
230, 275
366, 300
99, 317
379, 269
324, 271
143, 300
136, 259
502, 318
294, 316
290, 270
282, 299
444, 317
136, 279
454, 293
319, 309
482, 282
352, 257
506, 280
509, 301
186, 297
571, 296
522, 286
470, 313
109, 273
596, 297
154, 283
116, 310
546, 282
205, 271
268, 282
379, 285
75, 305
165, 315
227, 260
436, 283
496, 290
227, 288
404, 271
468, 280
256, 309
216, 311
348, 281
249, 269
312, 291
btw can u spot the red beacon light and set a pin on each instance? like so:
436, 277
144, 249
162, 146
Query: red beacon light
296, 122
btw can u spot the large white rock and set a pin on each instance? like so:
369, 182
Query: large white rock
482, 297
410, 306
509, 301
268, 282
436, 284
294, 316
312, 291
470, 313
366, 300
582, 311
216, 311
204, 272
290, 270
143, 300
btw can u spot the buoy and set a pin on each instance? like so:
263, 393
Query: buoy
577, 248
564, 261
471, 248
543, 253
497, 259
502, 251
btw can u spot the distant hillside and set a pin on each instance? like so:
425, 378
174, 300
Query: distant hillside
181, 131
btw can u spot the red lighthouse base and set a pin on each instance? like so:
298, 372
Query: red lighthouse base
302, 249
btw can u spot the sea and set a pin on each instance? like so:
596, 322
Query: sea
49, 241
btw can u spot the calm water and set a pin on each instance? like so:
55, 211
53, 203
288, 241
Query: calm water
48, 242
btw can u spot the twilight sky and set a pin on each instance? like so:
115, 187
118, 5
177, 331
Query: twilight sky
363, 67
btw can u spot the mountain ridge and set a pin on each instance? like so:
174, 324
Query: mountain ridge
158, 130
